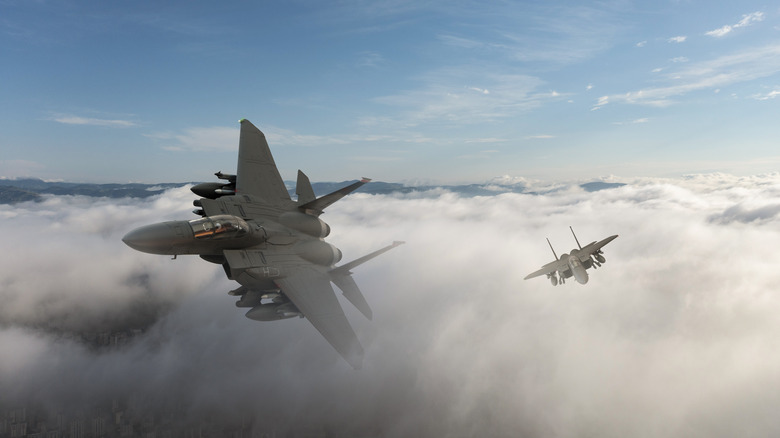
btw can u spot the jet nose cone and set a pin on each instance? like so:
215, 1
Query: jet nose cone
144, 237
154, 239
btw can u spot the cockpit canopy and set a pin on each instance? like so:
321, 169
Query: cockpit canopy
219, 227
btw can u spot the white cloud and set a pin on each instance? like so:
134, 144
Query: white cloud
634, 122
220, 138
716, 73
485, 140
719, 32
603, 100
681, 321
370, 59
563, 35
770, 95
747, 20
88, 121
677, 39
286, 137
441, 97
464, 43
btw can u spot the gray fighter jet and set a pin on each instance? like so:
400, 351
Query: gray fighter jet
575, 263
271, 245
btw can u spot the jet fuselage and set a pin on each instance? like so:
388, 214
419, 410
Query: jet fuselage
577, 269
205, 236
269, 243
211, 236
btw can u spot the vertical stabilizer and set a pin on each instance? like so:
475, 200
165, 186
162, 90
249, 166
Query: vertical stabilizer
257, 173
575, 237
304, 190
551, 249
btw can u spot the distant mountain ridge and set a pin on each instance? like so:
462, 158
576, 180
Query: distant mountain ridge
32, 189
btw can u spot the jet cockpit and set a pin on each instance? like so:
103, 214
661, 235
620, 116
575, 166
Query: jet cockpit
219, 227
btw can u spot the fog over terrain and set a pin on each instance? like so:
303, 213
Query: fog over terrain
678, 334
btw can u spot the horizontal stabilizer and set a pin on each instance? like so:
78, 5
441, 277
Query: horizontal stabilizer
352, 292
317, 206
345, 269
304, 190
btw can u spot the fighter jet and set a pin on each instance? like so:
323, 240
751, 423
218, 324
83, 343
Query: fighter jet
574, 263
270, 244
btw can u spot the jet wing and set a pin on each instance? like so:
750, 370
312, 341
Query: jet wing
549, 269
256, 171
311, 292
593, 248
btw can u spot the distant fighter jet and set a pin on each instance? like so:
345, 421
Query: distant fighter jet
271, 245
575, 263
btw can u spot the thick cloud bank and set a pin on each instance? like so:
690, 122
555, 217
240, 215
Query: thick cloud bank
677, 335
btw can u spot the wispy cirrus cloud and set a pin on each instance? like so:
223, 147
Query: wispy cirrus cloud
559, 36
677, 39
766, 96
286, 137
90, 121
634, 122
223, 138
219, 138
446, 96
713, 74
370, 60
485, 140
747, 20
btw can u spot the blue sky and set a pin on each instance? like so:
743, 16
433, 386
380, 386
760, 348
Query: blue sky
401, 91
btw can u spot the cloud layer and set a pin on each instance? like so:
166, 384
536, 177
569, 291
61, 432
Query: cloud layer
674, 336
